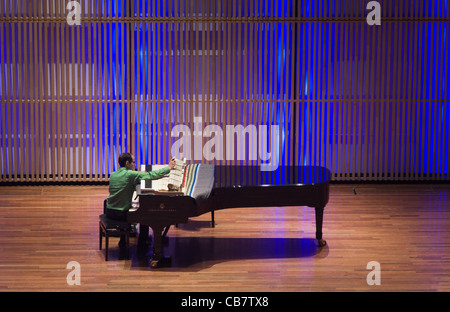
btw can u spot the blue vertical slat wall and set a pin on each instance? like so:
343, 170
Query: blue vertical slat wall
367, 102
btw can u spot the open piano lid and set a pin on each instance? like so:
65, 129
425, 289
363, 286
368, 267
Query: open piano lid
240, 176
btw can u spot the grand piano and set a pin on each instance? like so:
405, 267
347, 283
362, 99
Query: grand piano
222, 187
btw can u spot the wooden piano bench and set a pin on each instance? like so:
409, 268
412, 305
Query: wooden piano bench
114, 228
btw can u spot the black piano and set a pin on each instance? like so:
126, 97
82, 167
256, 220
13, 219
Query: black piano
234, 187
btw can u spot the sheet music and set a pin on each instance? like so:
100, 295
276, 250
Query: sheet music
177, 173
175, 177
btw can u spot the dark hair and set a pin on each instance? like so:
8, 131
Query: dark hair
124, 158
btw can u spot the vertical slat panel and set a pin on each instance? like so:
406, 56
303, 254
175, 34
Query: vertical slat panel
88, 98
65, 82
76, 97
60, 102
315, 88
32, 55
105, 94
358, 115
22, 95
27, 122
272, 72
124, 57
132, 93
438, 104
3, 104
227, 96
340, 100
446, 102
12, 130
369, 102
45, 109
375, 152
100, 94
434, 114
405, 138
163, 46
112, 103
42, 98
137, 90
165, 50
420, 98
82, 61
130, 80
7, 97
95, 104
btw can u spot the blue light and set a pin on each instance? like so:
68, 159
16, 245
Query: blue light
320, 77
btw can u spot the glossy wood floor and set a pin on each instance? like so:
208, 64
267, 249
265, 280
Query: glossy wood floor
403, 227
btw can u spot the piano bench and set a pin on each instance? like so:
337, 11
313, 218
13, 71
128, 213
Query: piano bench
114, 228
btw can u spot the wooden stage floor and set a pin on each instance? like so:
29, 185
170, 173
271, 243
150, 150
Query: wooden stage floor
402, 227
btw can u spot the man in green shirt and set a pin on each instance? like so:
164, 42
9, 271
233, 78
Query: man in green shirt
122, 184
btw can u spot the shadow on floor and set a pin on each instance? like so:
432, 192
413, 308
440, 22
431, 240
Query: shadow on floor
198, 253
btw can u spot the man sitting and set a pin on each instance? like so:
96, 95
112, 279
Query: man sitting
122, 184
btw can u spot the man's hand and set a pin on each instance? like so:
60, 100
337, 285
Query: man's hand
172, 163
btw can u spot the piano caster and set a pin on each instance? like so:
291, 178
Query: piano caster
322, 243
162, 262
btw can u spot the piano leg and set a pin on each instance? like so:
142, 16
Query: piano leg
319, 221
158, 260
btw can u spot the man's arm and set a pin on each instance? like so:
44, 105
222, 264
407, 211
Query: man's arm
151, 175
155, 174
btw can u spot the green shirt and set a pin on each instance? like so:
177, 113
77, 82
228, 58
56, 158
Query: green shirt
122, 184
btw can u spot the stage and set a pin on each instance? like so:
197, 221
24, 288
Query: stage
403, 227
